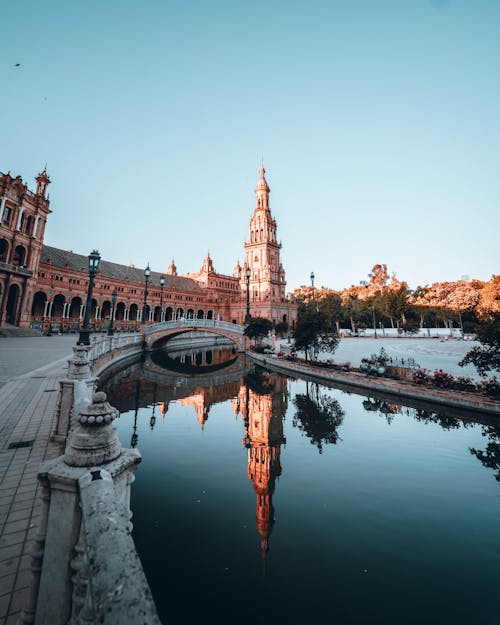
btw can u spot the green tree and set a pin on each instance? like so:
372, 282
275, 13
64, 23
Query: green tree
352, 309
485, 357
331, 308
282, 328
258, 328
314, 333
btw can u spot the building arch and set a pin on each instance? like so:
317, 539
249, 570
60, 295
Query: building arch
200, 314
120, 311
38, 305
190, 313
106, 310
157, 313
4, 250
58, 306
133, 312
210, 314
29, 225
179, 313
169, 313
75, 308
13, 299
19, 256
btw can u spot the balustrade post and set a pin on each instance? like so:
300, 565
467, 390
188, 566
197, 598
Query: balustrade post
59, 597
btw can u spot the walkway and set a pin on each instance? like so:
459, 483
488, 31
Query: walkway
27, 410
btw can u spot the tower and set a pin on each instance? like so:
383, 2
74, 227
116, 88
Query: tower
42, 182
262, 256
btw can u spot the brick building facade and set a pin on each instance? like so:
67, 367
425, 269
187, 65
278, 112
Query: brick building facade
46, 287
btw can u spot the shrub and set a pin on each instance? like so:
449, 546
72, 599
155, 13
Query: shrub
491, 388
441, 379
420, 376
463, 383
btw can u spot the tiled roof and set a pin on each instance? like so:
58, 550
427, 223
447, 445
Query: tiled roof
78, 262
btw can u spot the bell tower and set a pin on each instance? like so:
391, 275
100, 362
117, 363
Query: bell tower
262, 256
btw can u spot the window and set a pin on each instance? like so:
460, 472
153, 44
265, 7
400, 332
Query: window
6, 215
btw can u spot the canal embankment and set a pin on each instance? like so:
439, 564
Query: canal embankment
368, 385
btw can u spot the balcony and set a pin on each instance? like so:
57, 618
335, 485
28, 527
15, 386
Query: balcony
20, 271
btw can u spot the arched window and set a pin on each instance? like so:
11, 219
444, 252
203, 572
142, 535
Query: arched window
19, 256
29, 225
4, 250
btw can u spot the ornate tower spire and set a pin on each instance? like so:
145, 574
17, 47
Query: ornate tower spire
172, 269
42, 182
208, 266
262, 191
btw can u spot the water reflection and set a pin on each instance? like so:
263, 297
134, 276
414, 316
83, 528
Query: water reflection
262, 401
318, 416
187, 360
397, 494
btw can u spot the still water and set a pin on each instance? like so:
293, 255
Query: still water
266, 500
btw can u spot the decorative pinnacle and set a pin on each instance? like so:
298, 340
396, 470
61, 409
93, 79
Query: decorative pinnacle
99, 412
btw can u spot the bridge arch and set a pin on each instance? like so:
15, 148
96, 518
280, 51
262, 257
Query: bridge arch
156, 332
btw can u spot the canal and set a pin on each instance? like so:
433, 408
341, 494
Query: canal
261, 499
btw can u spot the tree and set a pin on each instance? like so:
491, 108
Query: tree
331, 307
258, 328
314, 333
485, 357
378, 275
352, 309
282, 328
318, 418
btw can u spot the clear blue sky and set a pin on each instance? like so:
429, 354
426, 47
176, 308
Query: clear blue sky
378, 121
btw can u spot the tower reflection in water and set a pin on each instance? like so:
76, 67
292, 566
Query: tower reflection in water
263, 407
260, 398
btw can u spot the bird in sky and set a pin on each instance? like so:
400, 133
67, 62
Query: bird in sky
17, 65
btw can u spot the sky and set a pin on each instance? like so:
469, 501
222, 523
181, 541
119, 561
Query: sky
378, 122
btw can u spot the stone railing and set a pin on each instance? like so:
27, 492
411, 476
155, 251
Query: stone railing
104, 349
233, 328
85, 568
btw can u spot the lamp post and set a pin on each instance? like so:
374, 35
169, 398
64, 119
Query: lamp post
147, 273
374, 324
248, 316
114, 295
162, 282
94, 260
312, 285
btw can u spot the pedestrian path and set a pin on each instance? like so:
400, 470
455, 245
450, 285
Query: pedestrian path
27, 411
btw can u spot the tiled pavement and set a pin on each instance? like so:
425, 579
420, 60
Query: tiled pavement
27, 410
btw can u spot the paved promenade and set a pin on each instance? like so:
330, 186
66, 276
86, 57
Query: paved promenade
27, 408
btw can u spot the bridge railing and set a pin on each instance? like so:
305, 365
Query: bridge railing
194, 323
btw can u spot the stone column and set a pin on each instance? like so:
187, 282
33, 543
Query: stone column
19, 217
78, 370
93, 443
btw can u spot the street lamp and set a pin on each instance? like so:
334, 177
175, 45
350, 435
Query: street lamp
147, 273
114, 295
312, 285
94, 260
374, 324
248, 316
162, 282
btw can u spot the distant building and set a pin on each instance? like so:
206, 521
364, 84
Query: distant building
43, 286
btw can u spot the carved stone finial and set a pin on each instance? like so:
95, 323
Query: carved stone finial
93, 440
79, 366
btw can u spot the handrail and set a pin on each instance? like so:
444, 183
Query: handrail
193, 323
118, 591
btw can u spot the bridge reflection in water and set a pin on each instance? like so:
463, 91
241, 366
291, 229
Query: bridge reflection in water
369, 504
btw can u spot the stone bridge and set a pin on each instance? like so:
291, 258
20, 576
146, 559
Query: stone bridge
155, 332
